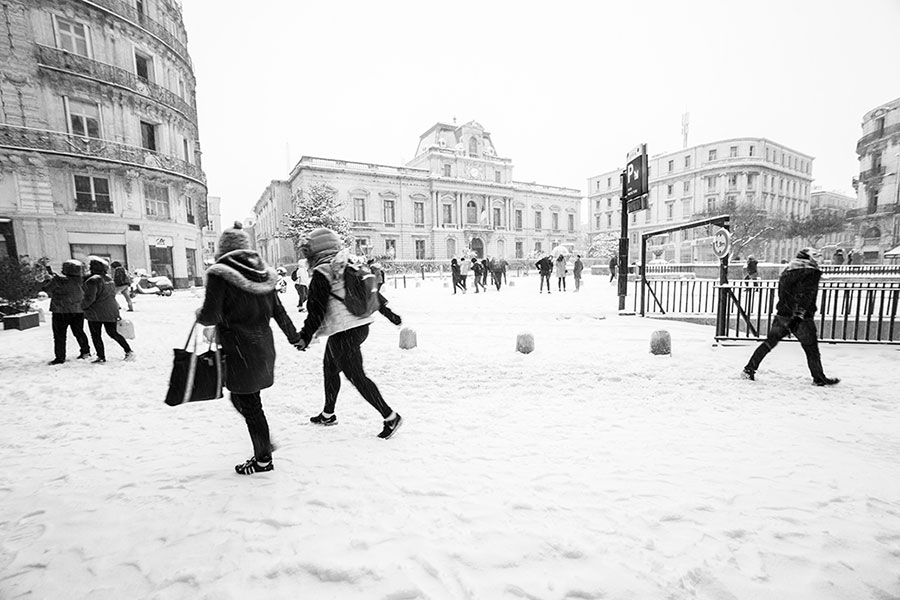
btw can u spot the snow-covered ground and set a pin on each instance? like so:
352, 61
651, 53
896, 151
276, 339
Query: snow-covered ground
587, 469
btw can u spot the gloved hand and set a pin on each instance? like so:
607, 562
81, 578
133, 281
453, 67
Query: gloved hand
394, 318
301, 345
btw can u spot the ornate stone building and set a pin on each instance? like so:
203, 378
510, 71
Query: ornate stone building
456, 194
875, 222
694, 180
268, 211
99, 151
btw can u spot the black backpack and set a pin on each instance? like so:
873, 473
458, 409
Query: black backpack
360, 290
120, 276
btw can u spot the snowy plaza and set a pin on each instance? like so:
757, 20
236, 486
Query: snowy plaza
587, 469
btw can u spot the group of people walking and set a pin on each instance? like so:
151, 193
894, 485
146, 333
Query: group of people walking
495, 267
76, 298
547, 266
240, 301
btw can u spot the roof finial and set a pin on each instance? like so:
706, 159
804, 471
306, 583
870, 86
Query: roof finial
454, 120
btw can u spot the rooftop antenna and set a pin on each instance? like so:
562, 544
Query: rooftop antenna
685, 121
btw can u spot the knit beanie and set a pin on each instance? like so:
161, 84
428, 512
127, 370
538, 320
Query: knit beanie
234, 238
321, 240
98, 265
72, 268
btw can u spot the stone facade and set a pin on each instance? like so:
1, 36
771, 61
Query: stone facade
691, 181
269, 212
875, 222
456, 195
99, 152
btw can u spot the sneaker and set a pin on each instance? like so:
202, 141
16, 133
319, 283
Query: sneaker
391, 427
56, 361
84, 355
748, 373
321, 419
97, 361
253, 466
129, 356
826, 381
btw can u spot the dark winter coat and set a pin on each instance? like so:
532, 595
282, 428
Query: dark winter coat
65, 293
798, 287
577, 268
752, 266
240, 301
545, 265
99, 303
478, 269
454, 269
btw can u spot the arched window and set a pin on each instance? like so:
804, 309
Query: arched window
473, 147
872, 233
471, 212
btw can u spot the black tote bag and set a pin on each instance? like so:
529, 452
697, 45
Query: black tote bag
196, 376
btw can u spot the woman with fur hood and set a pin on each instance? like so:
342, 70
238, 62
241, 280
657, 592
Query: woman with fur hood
66, 294
101, 309
346, 332
798, 287
240, 301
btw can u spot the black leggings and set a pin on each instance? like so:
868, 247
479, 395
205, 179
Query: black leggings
95, 327
342, 354
250, 406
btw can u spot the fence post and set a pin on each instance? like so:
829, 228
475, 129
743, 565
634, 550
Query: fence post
404, 281
423, 272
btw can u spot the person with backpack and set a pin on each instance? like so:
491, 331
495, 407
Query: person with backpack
66, 293
478, 269
333, 311
123, 282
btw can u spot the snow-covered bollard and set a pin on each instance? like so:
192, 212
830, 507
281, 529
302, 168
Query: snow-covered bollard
661, 342
525, 343
41, 316
407, 338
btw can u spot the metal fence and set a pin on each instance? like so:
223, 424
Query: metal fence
848, 311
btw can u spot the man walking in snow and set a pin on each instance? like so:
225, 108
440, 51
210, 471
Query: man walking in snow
798, 287
544, 267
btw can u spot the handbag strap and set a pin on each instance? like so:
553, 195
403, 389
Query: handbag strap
213, 340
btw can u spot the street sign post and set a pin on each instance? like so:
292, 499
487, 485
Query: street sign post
635, 190
721, 243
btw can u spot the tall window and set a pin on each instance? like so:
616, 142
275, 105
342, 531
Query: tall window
879, 126
537, 247
571, 223
608, 221
597, 221
671, 166
687, 161
497, 215
752, 150
359, 209
72, 37
685, 208
187, 154
473, 146
732, 181
362, 246
686, 187
390, 247
519, 219
143, 66
84, 119
710, 204
751, 180
608, 182
670, 211
156, 200
451, 247
148, 136
732, 152
389, 215
471, 212
711, 183
446, 170
419, 213
447, 218
189, 207
670, 189
420, 249
713, 154
537, 220
497, 176
520, 253
92, 194
554, 221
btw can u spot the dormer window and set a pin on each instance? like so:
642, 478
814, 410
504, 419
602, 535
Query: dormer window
447, 170
473, 147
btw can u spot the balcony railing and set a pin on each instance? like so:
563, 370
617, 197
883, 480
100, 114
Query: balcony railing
66, 61
131, 14
94, 206
872, 173
54, 142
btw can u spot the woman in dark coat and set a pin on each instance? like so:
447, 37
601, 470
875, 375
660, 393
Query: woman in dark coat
240, 301
101, 309
66, 293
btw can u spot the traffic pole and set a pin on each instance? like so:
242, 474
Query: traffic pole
623, 248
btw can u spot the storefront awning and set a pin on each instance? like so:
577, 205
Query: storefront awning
893, 253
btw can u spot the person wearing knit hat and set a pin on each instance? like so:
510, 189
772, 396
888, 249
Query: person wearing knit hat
798, 287
327, 315
101, 310
66, 294
241, 301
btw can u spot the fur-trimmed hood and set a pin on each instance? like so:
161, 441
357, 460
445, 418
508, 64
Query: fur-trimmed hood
245, 270
802, 263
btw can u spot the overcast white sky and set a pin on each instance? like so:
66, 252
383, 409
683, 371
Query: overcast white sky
565, 88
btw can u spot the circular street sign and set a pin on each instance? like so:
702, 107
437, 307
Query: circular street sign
721, 244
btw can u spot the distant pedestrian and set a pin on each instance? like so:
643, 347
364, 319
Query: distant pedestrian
613, 268
123, 282
485, 269
328, 315
496, 272
455, 276
301, 283
66, 294
478, 270
504, 265
838, 258
101, 309
241, 301
577, 268
561, 273
545, 268
463, 272
377, 270
751, 268
798, 287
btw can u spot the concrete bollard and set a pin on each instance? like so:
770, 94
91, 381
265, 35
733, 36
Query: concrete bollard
661, 342
525, 343
41, 316
407, 338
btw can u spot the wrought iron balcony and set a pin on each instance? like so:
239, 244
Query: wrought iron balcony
131, 14
873, 173
61, 60
54, 142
